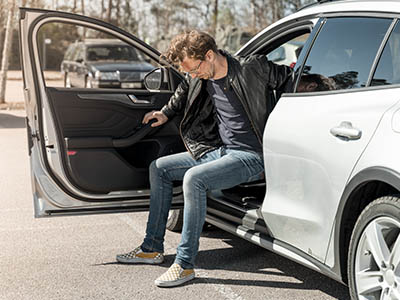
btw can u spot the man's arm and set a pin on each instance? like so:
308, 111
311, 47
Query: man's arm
175, 105
277, 76
177, 101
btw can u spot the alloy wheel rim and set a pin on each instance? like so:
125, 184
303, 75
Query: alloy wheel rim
377, 270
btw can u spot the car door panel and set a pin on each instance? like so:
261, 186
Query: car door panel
98, 113
307, 132
305, 179
94, 125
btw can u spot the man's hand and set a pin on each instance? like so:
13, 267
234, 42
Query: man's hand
161, 118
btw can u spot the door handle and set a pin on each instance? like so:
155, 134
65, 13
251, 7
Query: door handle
346, 131
138, 101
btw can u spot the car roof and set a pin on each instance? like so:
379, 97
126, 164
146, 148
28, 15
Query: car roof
337, 6
389, 6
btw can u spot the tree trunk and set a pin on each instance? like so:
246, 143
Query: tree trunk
83, 6
254, 19
117, 19
6, 50
215, 18
102, 10
74, 7
109, 9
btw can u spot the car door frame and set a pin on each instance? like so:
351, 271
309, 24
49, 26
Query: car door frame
48, 190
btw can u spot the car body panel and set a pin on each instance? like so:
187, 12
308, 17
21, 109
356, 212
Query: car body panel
383, 149
305, 181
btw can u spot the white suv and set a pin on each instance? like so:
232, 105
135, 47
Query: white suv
331, 197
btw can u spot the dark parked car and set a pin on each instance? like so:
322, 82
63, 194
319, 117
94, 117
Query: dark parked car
103, 63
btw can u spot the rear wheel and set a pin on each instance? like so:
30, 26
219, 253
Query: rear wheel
374, 254
175, 220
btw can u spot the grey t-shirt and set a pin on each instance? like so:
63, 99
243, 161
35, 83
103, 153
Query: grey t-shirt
233, 124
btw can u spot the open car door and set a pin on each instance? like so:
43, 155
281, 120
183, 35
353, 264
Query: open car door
88, 149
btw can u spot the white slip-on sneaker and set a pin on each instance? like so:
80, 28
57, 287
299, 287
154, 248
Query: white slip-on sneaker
175, 276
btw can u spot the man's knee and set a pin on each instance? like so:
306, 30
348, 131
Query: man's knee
194, 179
155, 168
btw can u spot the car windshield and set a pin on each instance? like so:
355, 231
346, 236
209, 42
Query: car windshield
111, 53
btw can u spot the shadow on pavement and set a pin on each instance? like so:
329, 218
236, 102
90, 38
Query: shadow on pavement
11, 121
242, 257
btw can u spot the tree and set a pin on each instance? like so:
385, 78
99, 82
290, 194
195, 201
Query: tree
109, 11
6, 50
215, 17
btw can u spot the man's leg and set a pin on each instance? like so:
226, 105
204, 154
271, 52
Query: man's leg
230, 169
163, 172
233, 168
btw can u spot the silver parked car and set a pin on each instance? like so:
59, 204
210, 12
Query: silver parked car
330, 200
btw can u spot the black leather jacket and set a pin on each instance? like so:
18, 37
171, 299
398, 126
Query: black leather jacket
252, 78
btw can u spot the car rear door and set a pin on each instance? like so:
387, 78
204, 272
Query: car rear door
314, 137
88, 149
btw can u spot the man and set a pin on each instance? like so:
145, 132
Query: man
226, 102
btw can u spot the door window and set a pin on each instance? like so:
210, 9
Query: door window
288, 52
388, 69
343, 54
77, 56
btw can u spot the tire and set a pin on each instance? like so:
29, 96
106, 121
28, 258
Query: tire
374, 254
175, 220
67, 81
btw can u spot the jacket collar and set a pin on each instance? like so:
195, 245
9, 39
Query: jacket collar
231, 67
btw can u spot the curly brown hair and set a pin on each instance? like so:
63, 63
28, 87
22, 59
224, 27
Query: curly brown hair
191, 44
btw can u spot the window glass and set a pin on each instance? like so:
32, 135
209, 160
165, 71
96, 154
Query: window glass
76, 56
112, 53
342, 54
388, 69
288, 52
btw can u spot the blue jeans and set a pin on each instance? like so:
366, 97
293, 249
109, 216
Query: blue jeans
219, 169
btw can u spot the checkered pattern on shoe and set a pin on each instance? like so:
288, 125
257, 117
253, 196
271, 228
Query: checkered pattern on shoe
138, 256
175, 276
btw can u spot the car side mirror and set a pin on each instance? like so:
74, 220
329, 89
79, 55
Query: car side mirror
153, 80
277, 55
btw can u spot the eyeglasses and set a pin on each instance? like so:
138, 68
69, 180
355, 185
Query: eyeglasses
195, 71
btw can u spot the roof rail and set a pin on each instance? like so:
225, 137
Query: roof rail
323, 1
316, 3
